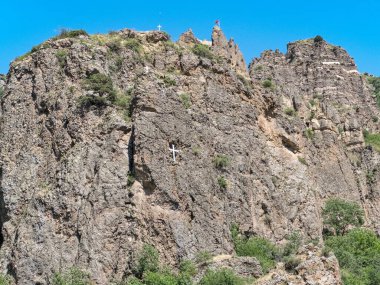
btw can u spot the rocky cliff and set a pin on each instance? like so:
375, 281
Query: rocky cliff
86, 180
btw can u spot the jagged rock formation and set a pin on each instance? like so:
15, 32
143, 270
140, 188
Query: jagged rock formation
228, 50
188, 38
66, 196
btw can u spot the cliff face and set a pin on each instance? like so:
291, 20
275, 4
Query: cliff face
67, 193
334, 105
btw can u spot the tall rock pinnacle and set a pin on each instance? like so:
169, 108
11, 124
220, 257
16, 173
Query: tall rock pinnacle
188, 38
228, 50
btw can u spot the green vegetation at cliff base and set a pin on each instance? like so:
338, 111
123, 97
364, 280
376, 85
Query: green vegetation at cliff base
357, 249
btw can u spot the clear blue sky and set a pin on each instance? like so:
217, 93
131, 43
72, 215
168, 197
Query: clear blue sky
255, 25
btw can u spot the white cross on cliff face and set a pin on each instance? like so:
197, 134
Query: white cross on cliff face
159, 27
173, 150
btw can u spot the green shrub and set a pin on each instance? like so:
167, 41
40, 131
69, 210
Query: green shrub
291, 262
312, 102
62, 57
196, 150
294, 241
34, 49
65, 33
372, 140
244, 80
118, 64
203, 257
171, 45
222, 182
302, 160
203, 51
358, 253
290, 112
133, 44
268, 84
169, 81
133, 281
131, 179
339, 215
318, 39
375, 82
370, 175
123, 99
326, 252
185, 99
73, 276
221, 277
167, 35
160, 278
100, 83
147, 260
187, 267
88, 100
5, 280
221, 161
258, 247
309, 133
114, 45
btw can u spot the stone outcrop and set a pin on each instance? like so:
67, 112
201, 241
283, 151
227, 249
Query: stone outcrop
313, 268
243, 266
67, 197
188, 38
228, 50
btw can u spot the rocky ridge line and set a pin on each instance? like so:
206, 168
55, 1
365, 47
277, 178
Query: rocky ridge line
67, 192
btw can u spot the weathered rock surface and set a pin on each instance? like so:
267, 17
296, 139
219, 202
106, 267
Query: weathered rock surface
243, 266
65, 194
2, 81
188, 38
314, 268
228, 50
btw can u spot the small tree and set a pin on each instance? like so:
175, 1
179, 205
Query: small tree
147, 261
340, 214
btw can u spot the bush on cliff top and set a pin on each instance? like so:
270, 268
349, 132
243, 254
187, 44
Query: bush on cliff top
65, 33
318, 39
